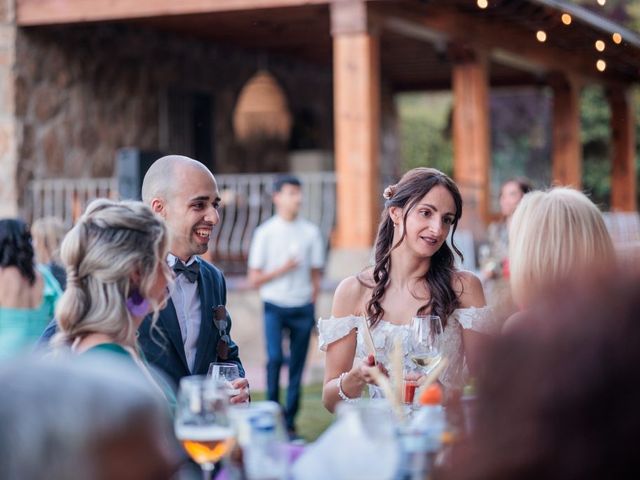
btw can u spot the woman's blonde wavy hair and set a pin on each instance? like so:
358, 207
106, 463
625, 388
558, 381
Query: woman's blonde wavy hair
554, 236
110, 242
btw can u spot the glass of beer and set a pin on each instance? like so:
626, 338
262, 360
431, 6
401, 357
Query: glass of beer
202, 422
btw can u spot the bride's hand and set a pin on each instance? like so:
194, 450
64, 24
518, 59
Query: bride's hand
367, 367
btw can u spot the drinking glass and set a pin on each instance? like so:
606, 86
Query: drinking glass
368, 446
202, 422
262, 437
225, 373
426, 337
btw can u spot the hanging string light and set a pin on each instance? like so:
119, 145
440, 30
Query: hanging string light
566, 19
617, 38
601, 65
602, 3
482, 3
541, 35
600, 45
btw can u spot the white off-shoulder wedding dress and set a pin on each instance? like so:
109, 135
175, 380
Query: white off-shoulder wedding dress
384, 334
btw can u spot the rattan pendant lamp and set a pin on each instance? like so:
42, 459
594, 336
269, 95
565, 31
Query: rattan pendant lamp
261, 111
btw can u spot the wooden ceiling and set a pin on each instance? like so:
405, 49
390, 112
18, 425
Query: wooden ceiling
304, 32
416, 48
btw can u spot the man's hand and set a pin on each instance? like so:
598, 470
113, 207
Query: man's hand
241, 384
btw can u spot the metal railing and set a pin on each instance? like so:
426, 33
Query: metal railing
246, 202
66, 198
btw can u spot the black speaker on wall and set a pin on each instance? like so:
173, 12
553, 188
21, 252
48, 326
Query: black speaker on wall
131, 166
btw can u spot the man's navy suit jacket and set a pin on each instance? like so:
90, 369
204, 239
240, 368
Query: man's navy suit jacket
163, 346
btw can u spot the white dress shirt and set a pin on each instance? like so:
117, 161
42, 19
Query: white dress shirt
186, 299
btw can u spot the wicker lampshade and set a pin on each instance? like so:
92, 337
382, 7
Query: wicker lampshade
262, 111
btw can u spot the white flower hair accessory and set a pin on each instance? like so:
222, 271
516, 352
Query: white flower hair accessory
389, 192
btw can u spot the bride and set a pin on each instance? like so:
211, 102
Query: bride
414, 273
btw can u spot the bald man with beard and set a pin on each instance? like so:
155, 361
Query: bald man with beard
193, 330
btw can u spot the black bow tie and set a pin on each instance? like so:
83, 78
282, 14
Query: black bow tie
189, 271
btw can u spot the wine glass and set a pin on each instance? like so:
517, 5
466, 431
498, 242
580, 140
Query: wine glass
225, 373
426, 336
202, 422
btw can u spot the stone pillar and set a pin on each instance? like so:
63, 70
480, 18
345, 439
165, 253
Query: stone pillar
356, 83
623, 150
8, 141
471, 138
567, 149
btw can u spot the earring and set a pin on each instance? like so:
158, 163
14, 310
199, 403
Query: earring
137, 305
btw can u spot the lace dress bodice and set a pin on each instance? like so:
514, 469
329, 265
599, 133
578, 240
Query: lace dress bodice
384, 334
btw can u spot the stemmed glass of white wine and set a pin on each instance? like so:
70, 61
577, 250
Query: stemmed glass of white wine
202, 422
225, 373
426, 336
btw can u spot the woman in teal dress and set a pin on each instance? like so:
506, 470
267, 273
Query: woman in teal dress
116, 276
28, 294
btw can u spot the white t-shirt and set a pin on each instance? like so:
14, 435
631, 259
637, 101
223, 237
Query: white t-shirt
274, 243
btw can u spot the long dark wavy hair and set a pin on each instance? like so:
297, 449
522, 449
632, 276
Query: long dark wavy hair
414, 185
16, 249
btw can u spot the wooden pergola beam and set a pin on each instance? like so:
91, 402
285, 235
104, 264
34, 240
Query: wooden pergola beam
49, 12
567, 149
471, 138
356, 84
518, 45
623, 142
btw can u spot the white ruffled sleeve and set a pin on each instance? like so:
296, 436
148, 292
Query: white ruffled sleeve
482, 320
334, 328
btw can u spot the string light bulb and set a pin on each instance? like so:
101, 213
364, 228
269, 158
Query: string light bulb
541, 35
600, 45
617, 38
602, 3
566, 19
601, 65
482, 3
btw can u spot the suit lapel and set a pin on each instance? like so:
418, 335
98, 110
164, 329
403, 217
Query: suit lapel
171, 326
206, 339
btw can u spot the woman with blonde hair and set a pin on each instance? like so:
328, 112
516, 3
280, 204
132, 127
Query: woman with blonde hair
47, 233
555, 236
116, 275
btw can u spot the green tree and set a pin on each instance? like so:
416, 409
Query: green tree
424, 127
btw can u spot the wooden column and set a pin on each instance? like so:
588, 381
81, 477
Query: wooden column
471, 139
356, 84
567, 149
623, 142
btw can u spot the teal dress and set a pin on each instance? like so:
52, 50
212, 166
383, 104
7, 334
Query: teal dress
119, 350
20, 328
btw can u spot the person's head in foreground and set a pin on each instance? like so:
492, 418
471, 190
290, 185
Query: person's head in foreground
116, 272
420, 211
555, 235
559, 395
63, 419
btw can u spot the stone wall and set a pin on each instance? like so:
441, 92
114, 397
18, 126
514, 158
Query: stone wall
83, 92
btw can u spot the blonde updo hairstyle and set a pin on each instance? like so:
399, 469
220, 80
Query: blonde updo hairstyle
554, 236
110, 242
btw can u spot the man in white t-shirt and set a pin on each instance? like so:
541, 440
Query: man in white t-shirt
285, 261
